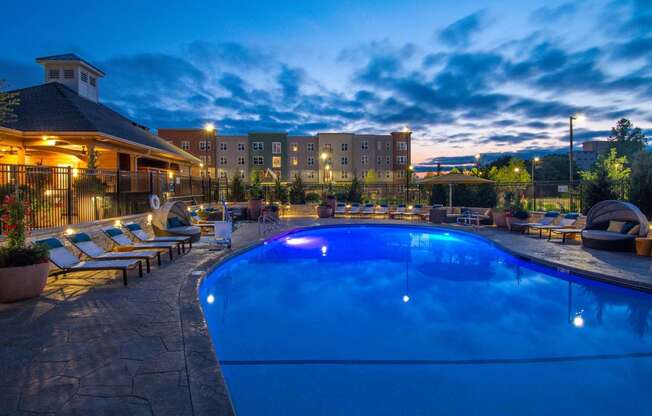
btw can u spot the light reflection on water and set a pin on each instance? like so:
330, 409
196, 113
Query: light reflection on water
422, 320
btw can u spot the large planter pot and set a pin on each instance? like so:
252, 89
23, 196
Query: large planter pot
331, 201
643, 246
324, 211
499, 219
18, 283
254, 206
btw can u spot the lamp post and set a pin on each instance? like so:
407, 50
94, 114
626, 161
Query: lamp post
477, 160
535, 160
324, 158
579, 118
408, 174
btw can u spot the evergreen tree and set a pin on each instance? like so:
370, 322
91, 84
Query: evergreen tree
640, 185
297, 191
237, 189
627, 139
354, 194
280, 193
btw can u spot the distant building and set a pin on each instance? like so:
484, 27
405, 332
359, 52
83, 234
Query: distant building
200, 143
326, 157
60, 122
590, 152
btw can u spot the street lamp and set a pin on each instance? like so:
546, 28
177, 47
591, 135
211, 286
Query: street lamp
209, 127
477, 160
579, 118
408, 175
535, 160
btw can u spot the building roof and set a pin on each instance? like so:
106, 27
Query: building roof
53, 107
68, 57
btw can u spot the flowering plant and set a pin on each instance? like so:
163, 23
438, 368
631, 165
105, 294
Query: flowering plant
14, 213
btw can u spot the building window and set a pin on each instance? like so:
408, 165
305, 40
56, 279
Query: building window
388, 174
223, 146
276, 161
364, 174
295, 147
328, 147
388, 146
294, 160
209, 161
258, 146
310, 174
53, 74
241, 160
185, 145
379, 145
364, 145
379, 160
345, 147
259, 160
276, 148
223, 160
364, 159
388, 160
345, 174
93, 82
241, 147
345, 161
203, 159
204, 145
222, 174
68, 74
401, 160
311, 161
84, 77
242, 175
310, 147
401, 146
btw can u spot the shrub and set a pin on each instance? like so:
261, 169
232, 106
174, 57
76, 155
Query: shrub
237, 189
640, 185
312, 197
23, 256
354, 193
280, 192
297, 191
15, 212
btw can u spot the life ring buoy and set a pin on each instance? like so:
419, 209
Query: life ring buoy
154, 201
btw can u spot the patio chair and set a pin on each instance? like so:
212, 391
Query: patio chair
141, 235
89, 248
67, 262
614, 225
398, 211
422, 211
355, 209
383, 210
368, 209
119, 238
545, 221
340, 208
569, 220
173, 219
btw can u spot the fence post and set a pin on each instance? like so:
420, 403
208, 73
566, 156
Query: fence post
69, 195
151, 183
117, 192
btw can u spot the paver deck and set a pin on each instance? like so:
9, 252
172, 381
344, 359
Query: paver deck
90, 346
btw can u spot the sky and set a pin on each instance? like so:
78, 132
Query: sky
465, 76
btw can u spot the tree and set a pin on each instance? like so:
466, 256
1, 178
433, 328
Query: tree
439, 195
554, 168
8, 101
604, 180
280, 193
514, 171
627, 139
297, 191
354, 194
640, 184
237, 189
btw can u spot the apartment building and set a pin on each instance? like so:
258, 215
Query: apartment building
591, 150
200, 143
324, 158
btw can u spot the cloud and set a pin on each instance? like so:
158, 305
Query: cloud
460, 33
547, 14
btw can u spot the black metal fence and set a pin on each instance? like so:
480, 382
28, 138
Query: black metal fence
60, 196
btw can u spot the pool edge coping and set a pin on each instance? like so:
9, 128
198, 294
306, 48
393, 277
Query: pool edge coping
193, 319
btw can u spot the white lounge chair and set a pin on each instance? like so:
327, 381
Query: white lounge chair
368, 209
355, 209
398, 211
383, 209
118, 237
340, 208
141, 235
67, 262
89, 248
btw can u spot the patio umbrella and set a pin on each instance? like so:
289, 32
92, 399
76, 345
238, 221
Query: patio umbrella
454, 179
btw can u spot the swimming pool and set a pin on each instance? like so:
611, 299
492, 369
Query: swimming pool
395, 320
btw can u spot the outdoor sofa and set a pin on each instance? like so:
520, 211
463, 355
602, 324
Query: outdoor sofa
614, 226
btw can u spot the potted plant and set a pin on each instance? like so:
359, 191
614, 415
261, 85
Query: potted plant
23, 268
499, 215
517, 216
255, 203
324, 210
331, 200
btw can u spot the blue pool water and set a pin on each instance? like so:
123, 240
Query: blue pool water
383, 320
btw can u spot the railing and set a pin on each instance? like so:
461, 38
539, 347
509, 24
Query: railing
61, 196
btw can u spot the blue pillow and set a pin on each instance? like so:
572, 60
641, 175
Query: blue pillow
112, 232
133, 226
175, 222
572, 216
50, 243
79, 238
551, 214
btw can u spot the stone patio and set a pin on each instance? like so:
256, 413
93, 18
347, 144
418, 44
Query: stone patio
90, 346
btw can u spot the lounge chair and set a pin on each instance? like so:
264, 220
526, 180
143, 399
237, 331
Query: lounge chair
87, 246
173, 219
614, 225
368, 209
545, 221
340, 208
141, 235
67, 262
568, 221
355, 209
383, 210
119, 238
398, 211
422, 211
